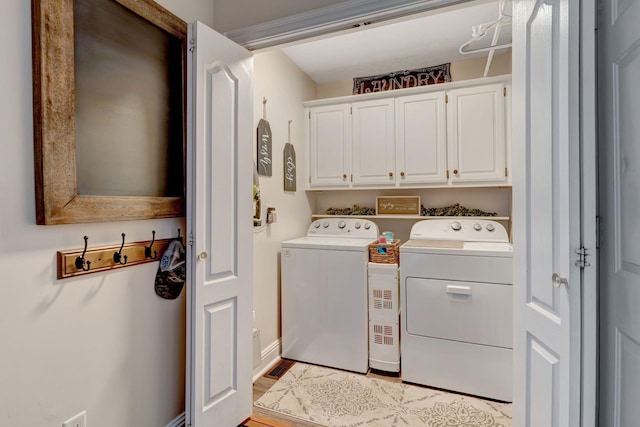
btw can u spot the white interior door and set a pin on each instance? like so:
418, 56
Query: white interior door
619, 57
219, 256
546, 212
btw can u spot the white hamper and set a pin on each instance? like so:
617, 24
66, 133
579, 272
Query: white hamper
384, 317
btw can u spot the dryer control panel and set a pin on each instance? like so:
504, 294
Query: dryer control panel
467, 230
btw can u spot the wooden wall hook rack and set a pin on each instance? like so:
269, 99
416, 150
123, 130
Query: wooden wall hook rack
101, 258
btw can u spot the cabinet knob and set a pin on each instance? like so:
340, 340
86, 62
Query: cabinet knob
455, 171
401, 173
344, 176
390, 174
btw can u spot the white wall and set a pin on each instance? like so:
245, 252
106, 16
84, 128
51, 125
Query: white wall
236, 14
102, 342
285, 86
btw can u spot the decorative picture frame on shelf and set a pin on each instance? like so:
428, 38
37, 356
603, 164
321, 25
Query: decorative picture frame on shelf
73, 137
398, 205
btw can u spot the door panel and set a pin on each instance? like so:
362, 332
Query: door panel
476, 134
546, 211
219, 179
619, 370
373, 142
329, 145
421, 139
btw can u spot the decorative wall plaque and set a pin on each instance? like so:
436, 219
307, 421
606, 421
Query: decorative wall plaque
289, 167
402, 79
398, 205
264, 143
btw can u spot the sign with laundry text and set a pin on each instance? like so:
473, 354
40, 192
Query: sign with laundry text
398, 205
402, 79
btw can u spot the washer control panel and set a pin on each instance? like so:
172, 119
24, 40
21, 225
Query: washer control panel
468, 230
352, 227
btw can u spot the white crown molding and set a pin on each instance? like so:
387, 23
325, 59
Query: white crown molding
328, 19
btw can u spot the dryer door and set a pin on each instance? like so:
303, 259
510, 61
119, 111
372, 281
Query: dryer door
479, 313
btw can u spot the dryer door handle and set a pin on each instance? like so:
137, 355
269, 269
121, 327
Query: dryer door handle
458, 290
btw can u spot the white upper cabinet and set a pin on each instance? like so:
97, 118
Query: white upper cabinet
329, 146
421, 139
450, 134
476, 134
373, 145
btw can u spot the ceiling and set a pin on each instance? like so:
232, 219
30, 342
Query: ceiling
427, 40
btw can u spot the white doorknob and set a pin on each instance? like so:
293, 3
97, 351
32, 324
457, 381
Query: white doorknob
559, 279
203, 255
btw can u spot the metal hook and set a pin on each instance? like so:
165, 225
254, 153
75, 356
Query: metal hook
178, 238
80, 261
147, 250
117, 256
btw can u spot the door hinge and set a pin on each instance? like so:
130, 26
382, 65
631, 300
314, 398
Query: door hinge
192, 45
447, 173
582, 253
504, 91
351, 177
506, 172
190, 239
309, 179
446, 99
309, 115
350, 110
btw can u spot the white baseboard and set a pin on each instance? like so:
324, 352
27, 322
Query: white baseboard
270, 357
177, 422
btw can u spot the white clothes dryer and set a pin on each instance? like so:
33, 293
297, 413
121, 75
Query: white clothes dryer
457, 316
324, 294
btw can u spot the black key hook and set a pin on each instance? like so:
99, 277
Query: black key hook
80, 261
117, 256
147, 250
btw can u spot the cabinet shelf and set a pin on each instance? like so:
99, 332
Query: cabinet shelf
414, 217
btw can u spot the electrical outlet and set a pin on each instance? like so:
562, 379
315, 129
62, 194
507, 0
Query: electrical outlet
79, 420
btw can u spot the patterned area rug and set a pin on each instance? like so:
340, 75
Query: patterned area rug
341, 399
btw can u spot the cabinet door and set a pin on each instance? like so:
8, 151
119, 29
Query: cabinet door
476, 134
329, 132
373, 136
421, 139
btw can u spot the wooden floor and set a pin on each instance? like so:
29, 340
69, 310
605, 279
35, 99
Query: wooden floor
264, 418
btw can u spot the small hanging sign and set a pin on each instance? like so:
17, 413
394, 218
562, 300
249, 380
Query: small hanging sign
289, 164
264, 143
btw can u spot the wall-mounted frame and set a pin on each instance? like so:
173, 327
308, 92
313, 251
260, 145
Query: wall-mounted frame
398, 205
58, 200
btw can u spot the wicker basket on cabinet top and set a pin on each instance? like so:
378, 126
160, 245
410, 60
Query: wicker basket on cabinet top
385, 253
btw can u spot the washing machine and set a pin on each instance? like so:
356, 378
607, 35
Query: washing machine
324, 294
457, 307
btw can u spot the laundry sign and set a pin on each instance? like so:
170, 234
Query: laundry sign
402, 79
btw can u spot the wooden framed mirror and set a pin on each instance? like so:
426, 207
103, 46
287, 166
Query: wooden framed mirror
109, 110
